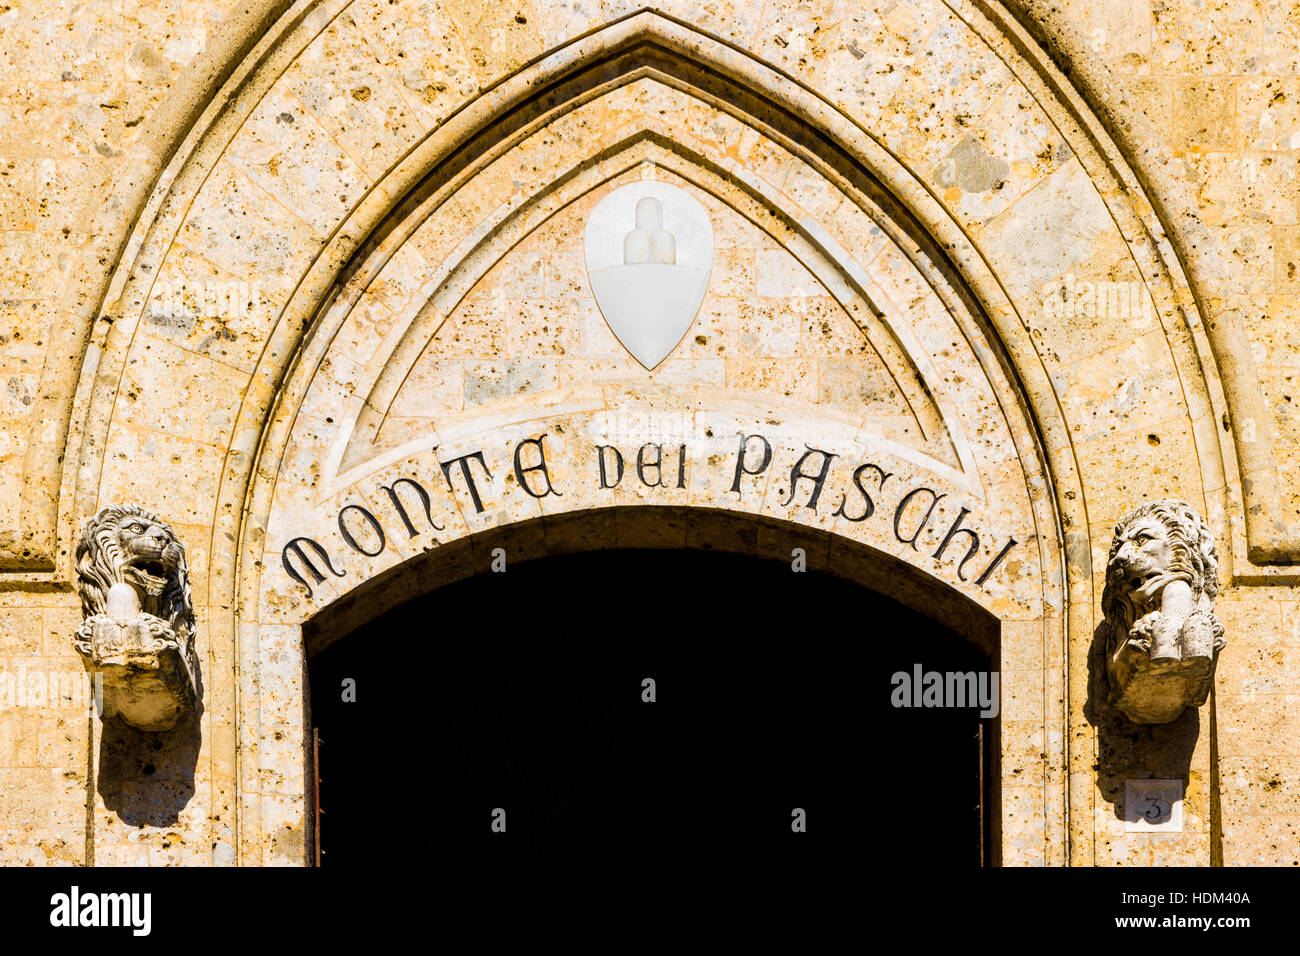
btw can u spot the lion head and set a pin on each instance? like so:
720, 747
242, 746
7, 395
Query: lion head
127, 544
1159, 538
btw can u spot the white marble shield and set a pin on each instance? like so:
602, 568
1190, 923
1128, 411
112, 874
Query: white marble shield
649, 249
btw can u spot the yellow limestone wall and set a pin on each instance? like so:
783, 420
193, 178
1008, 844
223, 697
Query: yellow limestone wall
145, 328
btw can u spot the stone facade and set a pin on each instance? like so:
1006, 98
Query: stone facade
308, 282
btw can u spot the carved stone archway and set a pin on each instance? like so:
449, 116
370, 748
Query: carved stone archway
396, 248
737, 449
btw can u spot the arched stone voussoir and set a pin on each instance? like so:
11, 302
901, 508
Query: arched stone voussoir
375, 248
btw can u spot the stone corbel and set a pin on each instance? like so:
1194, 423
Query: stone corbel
138, 631
1162, 640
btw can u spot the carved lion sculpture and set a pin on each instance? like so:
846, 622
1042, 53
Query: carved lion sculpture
1162, 638
139, 617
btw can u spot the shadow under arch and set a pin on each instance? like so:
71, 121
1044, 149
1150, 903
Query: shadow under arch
651, 527
340, 637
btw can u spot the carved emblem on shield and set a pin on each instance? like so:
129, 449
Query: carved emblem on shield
649, 249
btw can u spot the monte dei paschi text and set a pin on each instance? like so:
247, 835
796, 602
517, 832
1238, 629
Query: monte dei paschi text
867, 493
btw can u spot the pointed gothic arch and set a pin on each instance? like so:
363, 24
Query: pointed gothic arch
326, 268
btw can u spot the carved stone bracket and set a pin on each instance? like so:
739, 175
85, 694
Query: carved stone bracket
139, 618
1163, 639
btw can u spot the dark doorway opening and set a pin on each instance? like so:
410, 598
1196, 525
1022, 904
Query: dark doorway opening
524, 691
